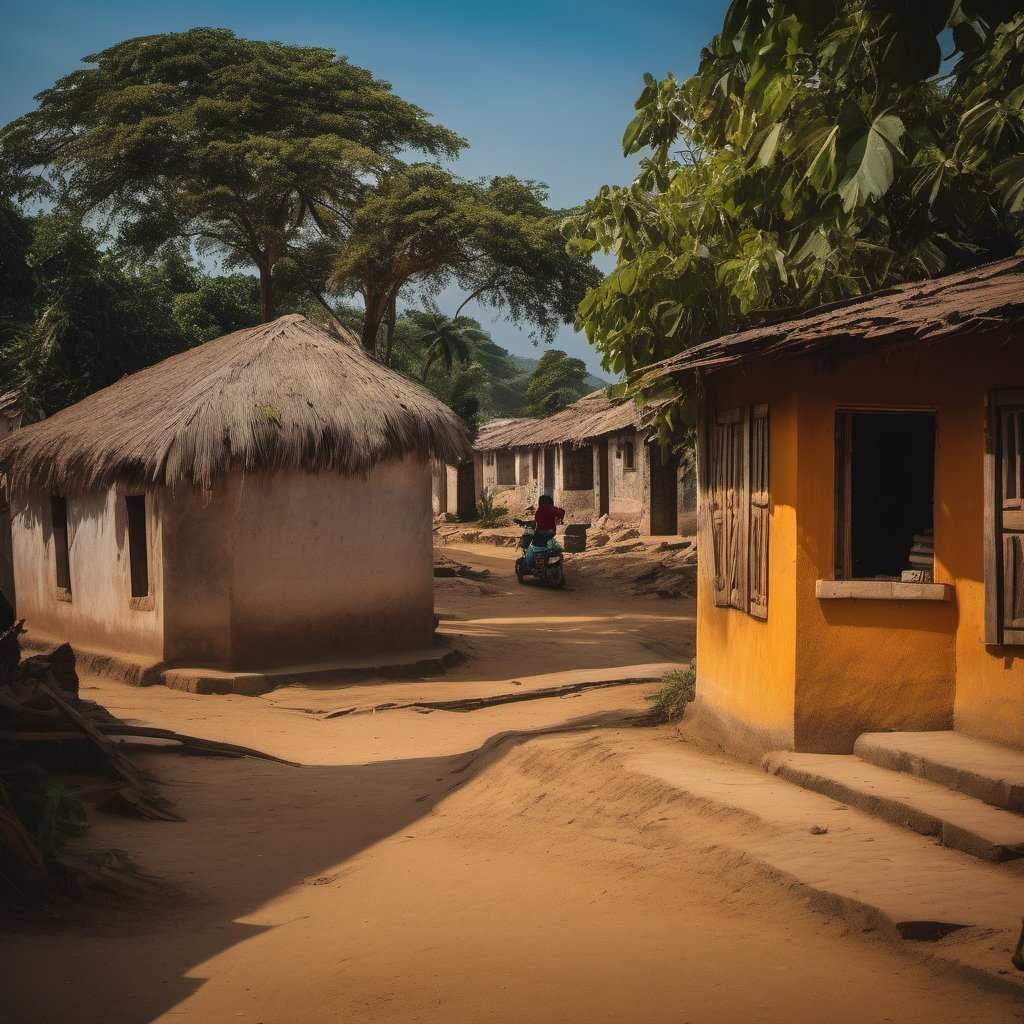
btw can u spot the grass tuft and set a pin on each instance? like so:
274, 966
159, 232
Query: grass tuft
677, 690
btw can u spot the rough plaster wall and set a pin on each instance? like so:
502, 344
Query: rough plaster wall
327, 566
99, 615
626, 488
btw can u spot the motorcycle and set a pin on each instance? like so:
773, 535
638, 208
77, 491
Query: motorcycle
548, 563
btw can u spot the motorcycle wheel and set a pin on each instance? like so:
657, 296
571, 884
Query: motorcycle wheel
521, 569
554, 576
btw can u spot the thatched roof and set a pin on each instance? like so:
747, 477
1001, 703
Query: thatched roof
591, 417
285, 395
987, 300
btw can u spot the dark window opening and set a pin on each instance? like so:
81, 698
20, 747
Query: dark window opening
578, 469
536, 464
61, 549
885, 494
138, 549
628, 455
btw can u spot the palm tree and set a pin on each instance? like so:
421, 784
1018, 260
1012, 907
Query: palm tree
444, 338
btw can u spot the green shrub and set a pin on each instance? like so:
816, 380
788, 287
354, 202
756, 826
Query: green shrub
487, 513
677, 690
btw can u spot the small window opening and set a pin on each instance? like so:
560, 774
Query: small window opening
61, 550
138, 549
489, 459
628, 455
536, 464
885, 495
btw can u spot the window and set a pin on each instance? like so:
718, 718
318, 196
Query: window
628, 455
536, 464
738, 506
1004, 519
578, 469
885, 496
61, 549
506, 467
489, 459
138, 547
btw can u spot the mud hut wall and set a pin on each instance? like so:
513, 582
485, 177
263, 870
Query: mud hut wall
321, 566
99, 613
626, 485
438, 487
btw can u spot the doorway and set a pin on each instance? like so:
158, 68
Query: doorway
602, 477
664, 492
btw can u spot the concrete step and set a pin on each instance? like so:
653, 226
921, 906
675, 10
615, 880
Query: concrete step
986, 771
959, 821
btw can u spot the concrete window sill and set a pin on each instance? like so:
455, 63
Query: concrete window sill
881, 590
141, 604
63, 594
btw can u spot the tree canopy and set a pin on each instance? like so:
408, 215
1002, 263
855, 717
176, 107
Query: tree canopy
557, 380
422, 226
236, 144
822, 150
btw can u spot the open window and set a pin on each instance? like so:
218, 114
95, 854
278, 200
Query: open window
577, 468
536, 464
61, 546
628, 449
138, 544
885, 496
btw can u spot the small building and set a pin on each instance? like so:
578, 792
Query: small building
861, 534
594, 458
258, 502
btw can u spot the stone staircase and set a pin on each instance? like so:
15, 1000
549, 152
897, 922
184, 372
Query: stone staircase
966, 792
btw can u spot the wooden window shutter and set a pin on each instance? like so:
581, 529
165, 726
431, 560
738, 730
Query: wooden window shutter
1004, 519
759, 512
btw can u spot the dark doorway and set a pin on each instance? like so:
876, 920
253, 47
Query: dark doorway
549, 471
664, 492
885, 491
602, 477
465, 491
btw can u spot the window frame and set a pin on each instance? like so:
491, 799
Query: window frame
628, 457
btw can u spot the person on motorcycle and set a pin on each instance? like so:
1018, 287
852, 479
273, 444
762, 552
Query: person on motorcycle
547, 518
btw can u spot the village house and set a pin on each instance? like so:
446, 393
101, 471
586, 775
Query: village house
594, 458
862, 517
261, 501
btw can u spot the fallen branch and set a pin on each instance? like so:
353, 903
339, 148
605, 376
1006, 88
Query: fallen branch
477, 703
194, 744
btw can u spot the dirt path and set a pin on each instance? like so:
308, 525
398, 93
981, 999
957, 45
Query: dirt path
456, 867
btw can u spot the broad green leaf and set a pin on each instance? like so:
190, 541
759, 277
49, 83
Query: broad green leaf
871, 162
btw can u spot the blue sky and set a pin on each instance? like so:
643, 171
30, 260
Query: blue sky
541, 90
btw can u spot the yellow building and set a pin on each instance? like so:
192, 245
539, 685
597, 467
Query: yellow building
862, 517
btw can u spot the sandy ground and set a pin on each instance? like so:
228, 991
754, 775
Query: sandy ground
460, 867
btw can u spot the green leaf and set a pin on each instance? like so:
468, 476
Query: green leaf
871, 164
771, 144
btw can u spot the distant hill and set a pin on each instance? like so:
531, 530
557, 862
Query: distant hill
528, 365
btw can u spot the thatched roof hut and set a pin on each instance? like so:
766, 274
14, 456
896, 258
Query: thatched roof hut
593, 416
284, 395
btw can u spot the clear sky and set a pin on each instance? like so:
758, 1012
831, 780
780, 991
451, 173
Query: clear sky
541, 88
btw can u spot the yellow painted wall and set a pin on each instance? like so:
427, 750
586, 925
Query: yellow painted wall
829, 670
745, 667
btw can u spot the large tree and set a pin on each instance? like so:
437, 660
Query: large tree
557, 380
421, 226
239, 145
823, 149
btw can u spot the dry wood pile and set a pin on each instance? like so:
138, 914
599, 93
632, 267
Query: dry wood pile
55, 749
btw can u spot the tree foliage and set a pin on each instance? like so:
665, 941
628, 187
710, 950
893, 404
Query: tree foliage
240, 145
422, 226
822, 150
557, 381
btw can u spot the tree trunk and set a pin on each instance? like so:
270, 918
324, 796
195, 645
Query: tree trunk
389, 337
266, 295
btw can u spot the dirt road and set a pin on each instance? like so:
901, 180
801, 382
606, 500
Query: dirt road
459, 867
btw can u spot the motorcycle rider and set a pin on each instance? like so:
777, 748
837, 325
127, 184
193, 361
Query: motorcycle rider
547, 517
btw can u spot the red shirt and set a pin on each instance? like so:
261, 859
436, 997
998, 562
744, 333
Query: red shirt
548, 516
